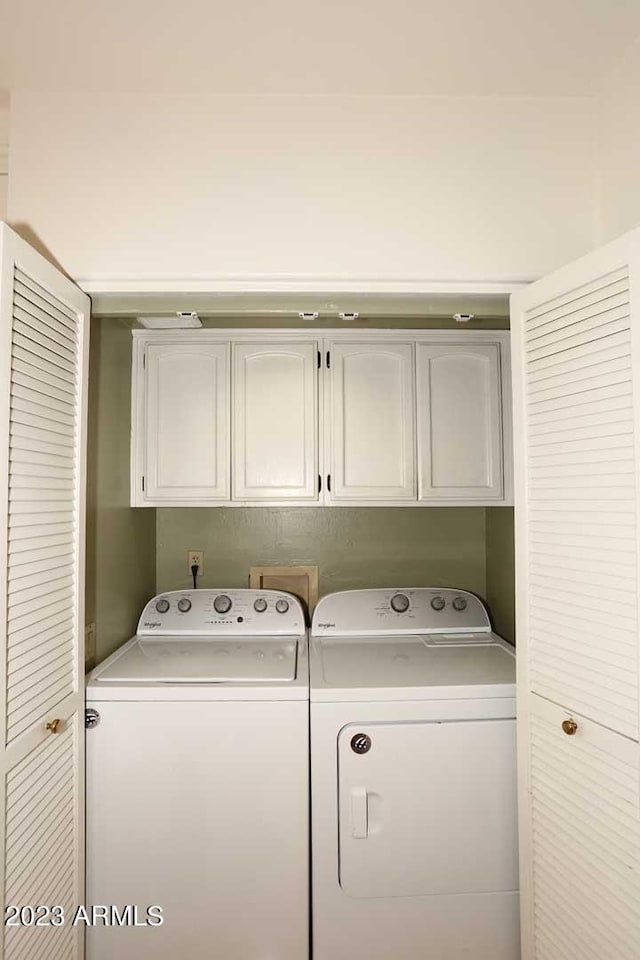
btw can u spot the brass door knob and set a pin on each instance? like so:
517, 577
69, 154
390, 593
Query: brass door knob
569, 727
54, 726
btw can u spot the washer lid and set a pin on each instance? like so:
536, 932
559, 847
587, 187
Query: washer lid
203, 661
426, 662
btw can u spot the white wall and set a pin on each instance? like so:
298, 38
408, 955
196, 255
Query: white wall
4, 152
619, 147
341, 187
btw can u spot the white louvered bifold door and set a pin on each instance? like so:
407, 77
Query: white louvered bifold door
43, 398
576, 376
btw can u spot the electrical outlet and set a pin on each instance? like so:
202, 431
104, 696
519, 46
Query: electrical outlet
90, 646
196, 557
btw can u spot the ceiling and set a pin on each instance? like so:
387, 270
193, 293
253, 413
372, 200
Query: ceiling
404, 47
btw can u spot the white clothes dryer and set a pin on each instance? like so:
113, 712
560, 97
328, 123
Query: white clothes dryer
198, 781
413, 772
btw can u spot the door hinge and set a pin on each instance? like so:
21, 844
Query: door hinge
329, 482
319, 359
319, 484
144, 360
328, 359
143, 484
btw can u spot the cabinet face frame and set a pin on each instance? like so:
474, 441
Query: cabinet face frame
324, 338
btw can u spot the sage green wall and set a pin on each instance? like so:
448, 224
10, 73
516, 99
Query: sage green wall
352, 547
121, 542
500, 569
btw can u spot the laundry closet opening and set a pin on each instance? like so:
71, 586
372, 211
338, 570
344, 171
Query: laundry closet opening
134, 553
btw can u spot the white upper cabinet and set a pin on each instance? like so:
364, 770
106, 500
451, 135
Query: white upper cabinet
459, 421
372, 403
379, 417
186, 412
275, 434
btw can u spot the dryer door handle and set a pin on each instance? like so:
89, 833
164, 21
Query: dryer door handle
359, 813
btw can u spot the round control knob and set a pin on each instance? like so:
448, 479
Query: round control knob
184, 604
282, 605
400, 602
459, 603
162, 605
438, 603
260, 605
222, 603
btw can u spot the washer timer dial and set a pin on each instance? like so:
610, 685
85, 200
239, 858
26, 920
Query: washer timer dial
162, 605
438, 603
184, 604
400, 602
222, 603
282, 605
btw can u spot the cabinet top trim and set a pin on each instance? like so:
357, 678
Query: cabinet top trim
262, 335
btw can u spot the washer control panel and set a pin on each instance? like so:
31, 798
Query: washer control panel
400, 612
226, 613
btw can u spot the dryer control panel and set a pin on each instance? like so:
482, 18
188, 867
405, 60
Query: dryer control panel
228, 613
399, 612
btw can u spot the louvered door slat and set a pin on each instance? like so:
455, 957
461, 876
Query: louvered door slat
31, 408
21, 567
27, 285
605, 342
43, 369
42, 381
609, 310
581, 411
41, 396
25, 445
27, 310
29, 657
32, 351
31, 329
44, 482
583, 295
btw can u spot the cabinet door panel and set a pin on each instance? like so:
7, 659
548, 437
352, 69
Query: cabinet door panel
274, 421
459, 421
373, 433
187, 412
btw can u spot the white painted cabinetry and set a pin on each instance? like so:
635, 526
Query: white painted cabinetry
372, 426
184, 423
275, 421
576, 367
383, 417
460, 435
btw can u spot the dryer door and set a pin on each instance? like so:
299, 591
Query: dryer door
428, 808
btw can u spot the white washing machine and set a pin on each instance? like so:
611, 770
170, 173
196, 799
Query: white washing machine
198, 781
413, 773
